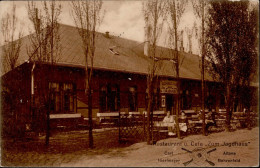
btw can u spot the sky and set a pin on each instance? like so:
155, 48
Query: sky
122, 18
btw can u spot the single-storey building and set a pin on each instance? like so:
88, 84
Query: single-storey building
119, 81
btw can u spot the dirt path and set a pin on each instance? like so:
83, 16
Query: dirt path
239, 148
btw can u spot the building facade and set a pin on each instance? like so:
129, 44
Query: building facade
119, 83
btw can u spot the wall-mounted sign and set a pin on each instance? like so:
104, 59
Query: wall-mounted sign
167, 86
163, 101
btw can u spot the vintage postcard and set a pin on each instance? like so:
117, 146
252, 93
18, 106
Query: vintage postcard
124, 83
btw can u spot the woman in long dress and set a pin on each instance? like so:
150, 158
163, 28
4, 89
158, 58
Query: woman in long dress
183, 123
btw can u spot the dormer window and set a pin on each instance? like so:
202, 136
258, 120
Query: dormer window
113, 51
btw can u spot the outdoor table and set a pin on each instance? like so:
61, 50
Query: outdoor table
161, 125
200, 121
197, 124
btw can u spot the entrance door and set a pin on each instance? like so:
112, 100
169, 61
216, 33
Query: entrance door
169, 103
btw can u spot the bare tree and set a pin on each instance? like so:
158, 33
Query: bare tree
12, 40
176, 10
200, 8
11, 36
154, 13
87, 17
44, 49
45, 41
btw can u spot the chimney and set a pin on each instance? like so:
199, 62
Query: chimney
190, 44
38, 20
189, 33
107, 34
146, 37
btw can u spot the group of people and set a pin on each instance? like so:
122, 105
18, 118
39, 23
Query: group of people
169, 119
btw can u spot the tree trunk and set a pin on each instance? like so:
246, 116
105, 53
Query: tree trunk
47, 107
90, 117
178, 100
177, 72
149, 109
202, 73
47, 137
228, 108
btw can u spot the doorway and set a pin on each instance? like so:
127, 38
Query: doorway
169, 103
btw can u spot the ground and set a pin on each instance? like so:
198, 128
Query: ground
70, 149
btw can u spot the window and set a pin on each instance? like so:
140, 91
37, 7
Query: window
109, 98
103, 98
113, 51
113, 99
68, 97
62, 97
222, 100
210, 102
184, 100
132, 98
55, 102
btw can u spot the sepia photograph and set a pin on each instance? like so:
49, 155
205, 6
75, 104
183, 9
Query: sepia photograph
129, 83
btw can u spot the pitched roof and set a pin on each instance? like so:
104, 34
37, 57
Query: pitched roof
126, 55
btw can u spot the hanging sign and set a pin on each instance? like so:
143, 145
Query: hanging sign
167, 86
163, 101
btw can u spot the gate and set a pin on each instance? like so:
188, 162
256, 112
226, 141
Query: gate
132, 127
